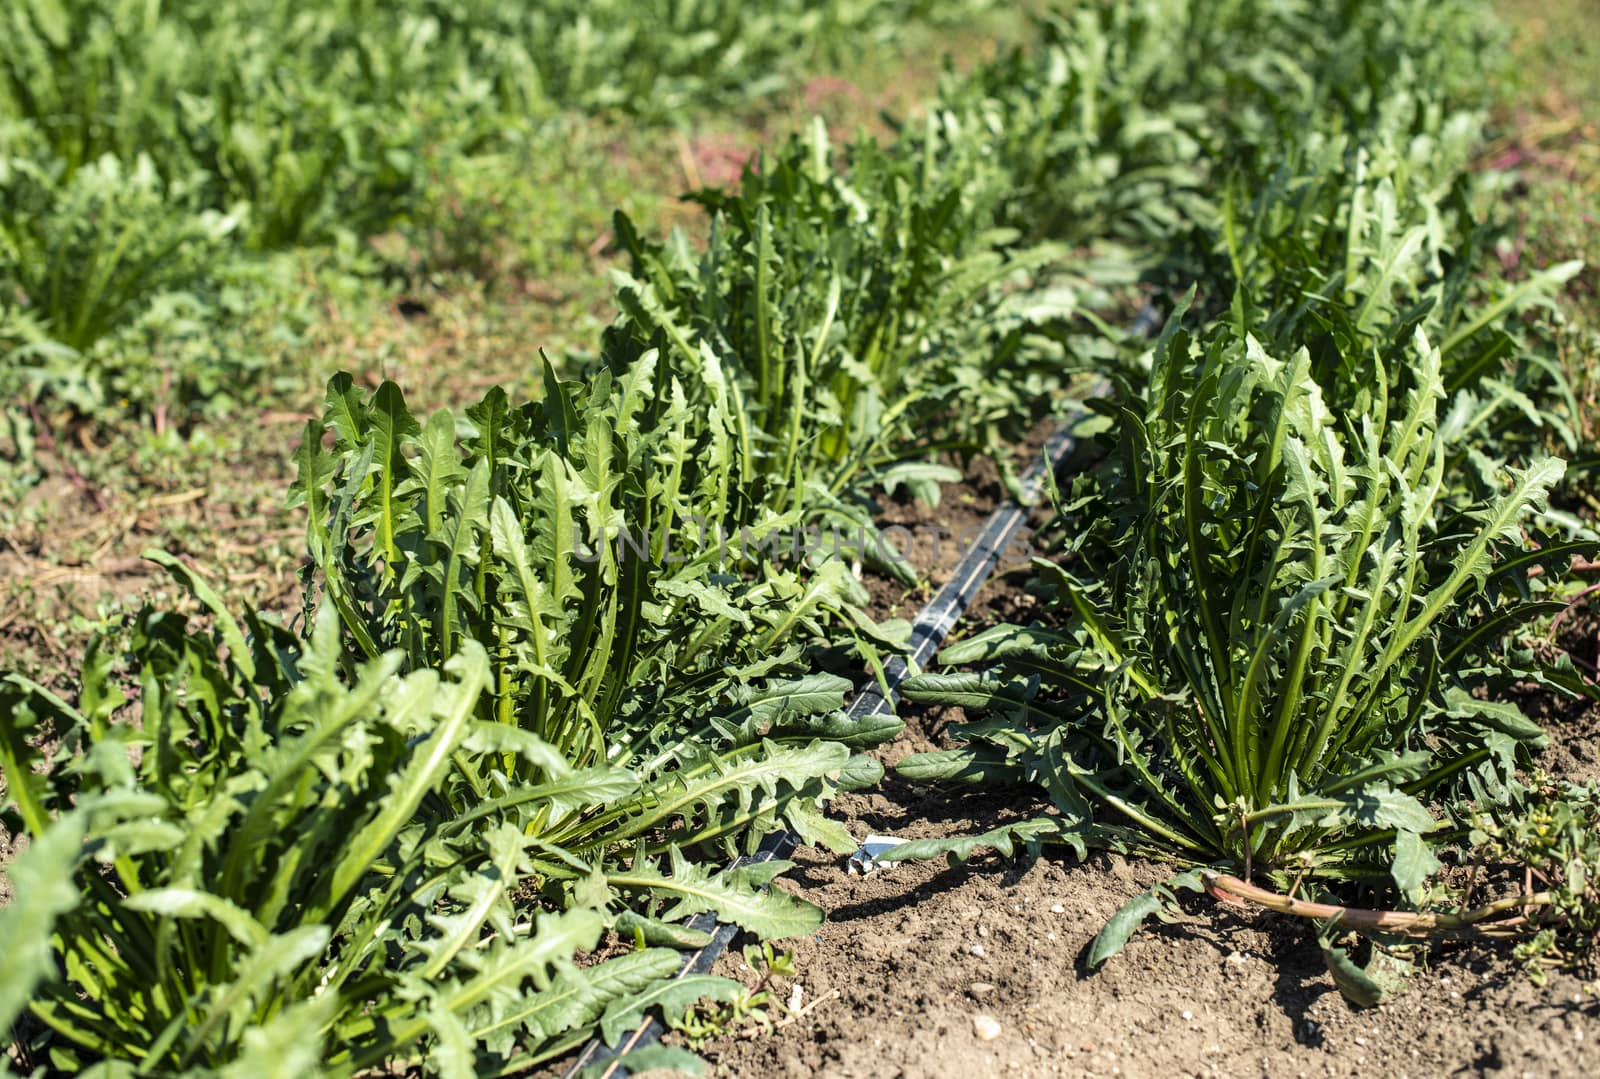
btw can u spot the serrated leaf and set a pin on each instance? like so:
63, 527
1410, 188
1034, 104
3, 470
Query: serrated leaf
734, 895
1502, 716
578, 997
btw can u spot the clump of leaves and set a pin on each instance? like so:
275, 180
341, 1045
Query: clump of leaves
1348, 240
647, 706
251, 858
1279, 602
1100, 124
595, 543
1270, 627
275, 844
851, 315
85, 252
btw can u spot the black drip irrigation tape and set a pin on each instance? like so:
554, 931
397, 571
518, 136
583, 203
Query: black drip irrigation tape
928, 631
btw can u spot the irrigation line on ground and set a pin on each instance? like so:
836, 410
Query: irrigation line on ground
928, 631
